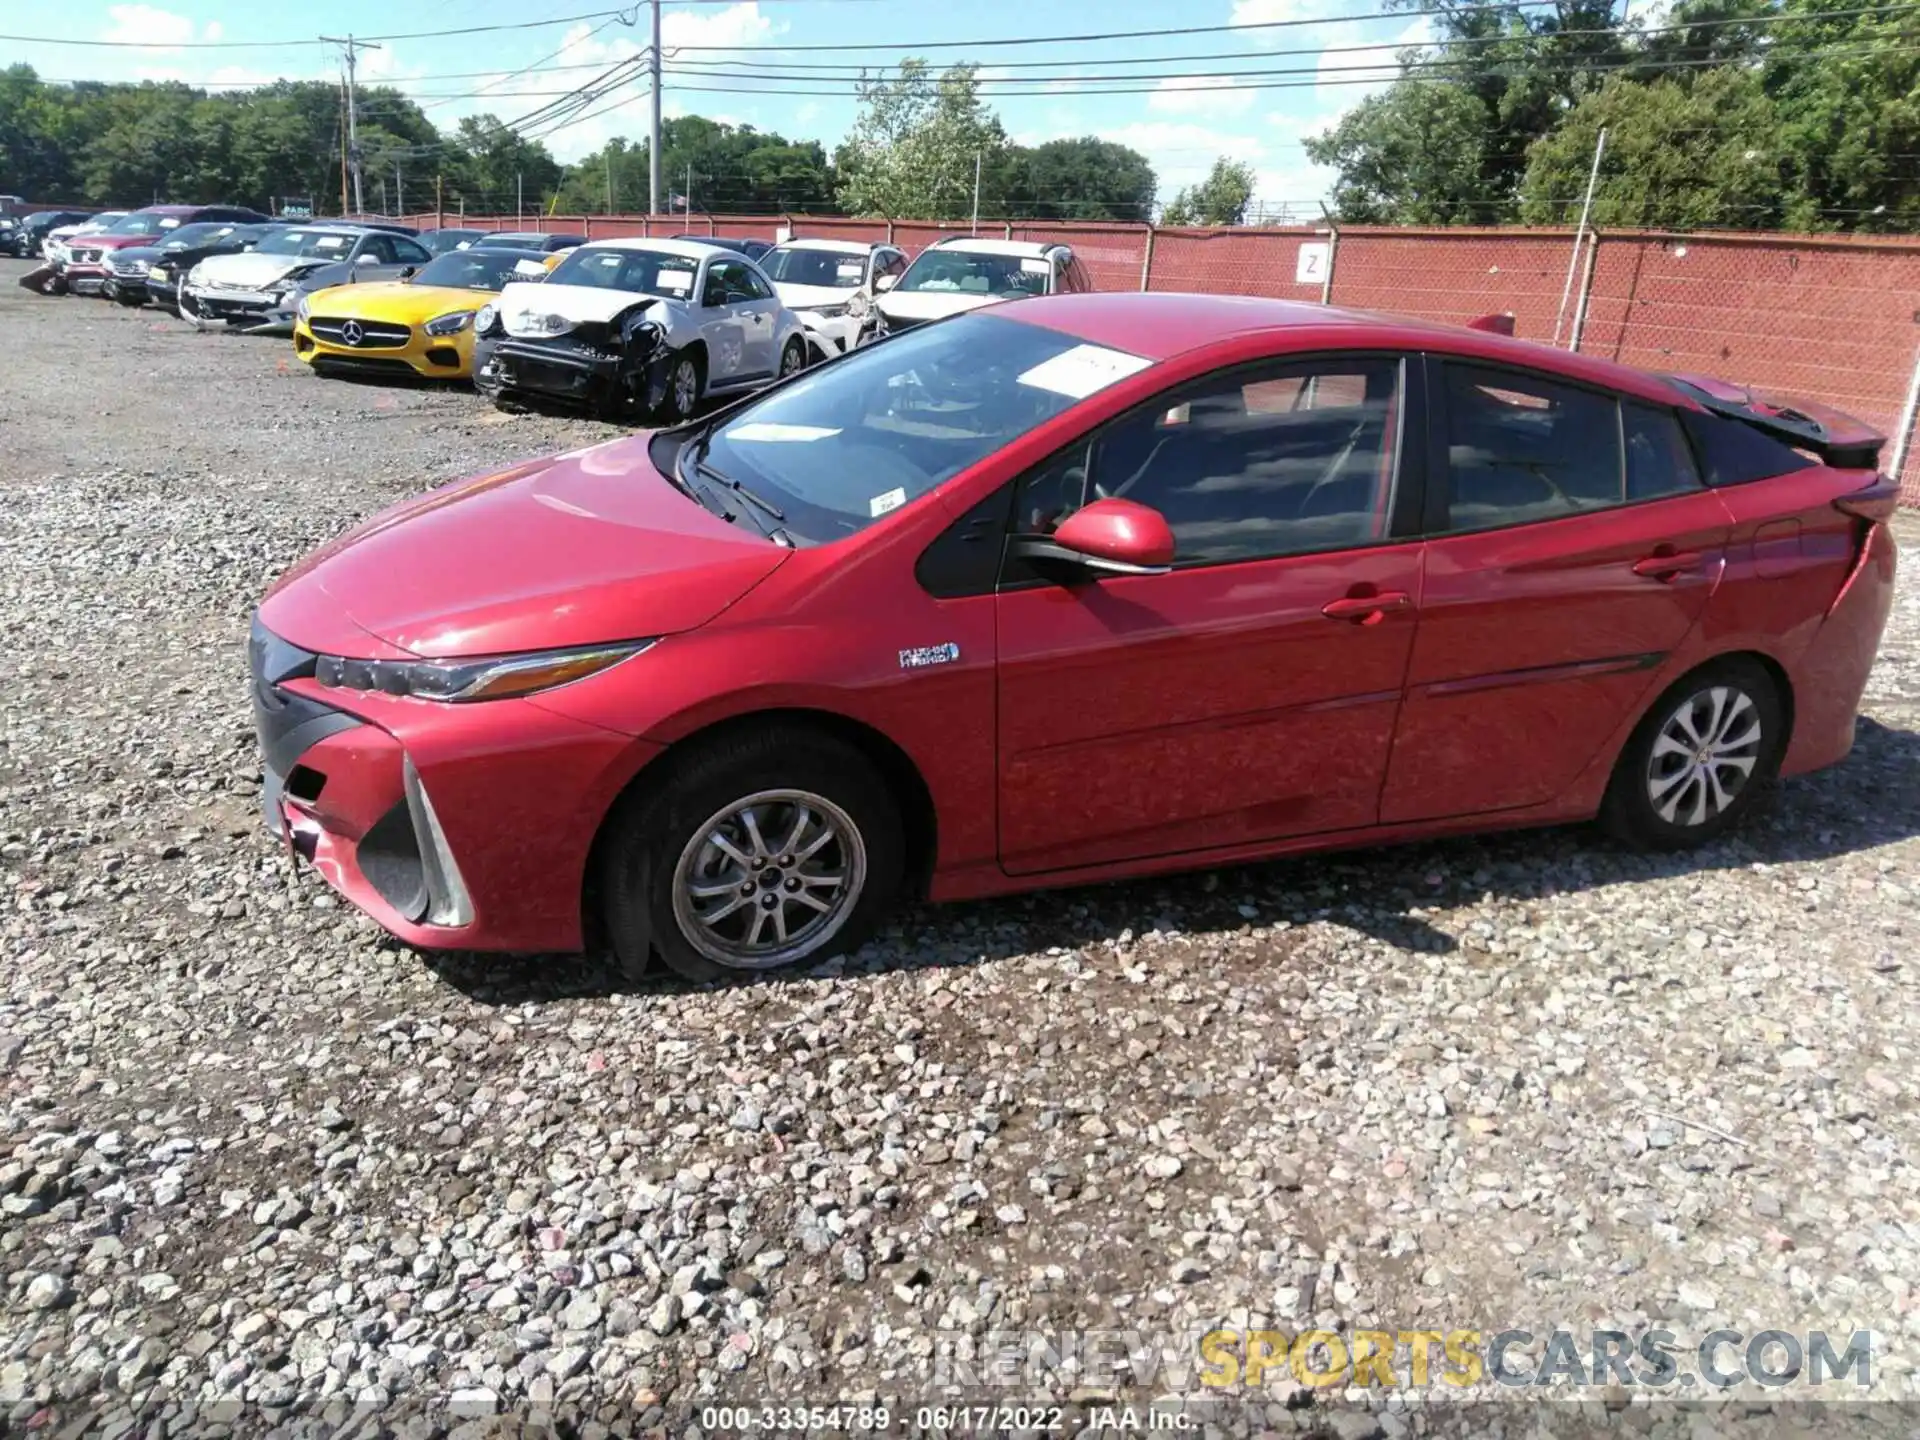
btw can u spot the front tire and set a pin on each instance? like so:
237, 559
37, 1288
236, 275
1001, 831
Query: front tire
1700, 759
793, 358
764, 850
682, 392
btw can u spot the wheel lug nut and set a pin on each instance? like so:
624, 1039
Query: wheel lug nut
769, 902
747, 889
793, 884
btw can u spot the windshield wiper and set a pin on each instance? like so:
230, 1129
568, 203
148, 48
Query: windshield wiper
759, 502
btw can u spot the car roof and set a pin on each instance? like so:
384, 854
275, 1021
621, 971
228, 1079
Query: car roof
518, 252
836, 247
685, 249
1159, 325
173, 209
1028, 248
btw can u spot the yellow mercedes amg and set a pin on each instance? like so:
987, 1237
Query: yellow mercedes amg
422, 325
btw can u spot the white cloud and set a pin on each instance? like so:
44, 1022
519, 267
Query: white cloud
742, 24
146, 25
1200, 95
807, 113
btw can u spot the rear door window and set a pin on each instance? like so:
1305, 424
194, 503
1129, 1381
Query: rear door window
1658, 460
1522, 448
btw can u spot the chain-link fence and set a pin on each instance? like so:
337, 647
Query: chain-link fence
1832, 319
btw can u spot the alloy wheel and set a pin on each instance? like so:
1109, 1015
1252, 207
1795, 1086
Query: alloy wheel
1704, 754
791, 358
769, 879
686, 387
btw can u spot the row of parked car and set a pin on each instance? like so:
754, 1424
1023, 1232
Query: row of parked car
629, 328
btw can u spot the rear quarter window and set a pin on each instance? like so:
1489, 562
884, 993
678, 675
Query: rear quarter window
1732, 453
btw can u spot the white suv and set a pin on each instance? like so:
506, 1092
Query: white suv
964, 273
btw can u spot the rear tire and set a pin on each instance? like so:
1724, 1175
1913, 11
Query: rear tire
793, 357
1706, 752
718, 872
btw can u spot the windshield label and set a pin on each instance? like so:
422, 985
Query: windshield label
773, 433
1078, 372
881, 504
922, 656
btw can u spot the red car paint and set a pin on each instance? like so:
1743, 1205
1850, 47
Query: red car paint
85, 273
1143, 723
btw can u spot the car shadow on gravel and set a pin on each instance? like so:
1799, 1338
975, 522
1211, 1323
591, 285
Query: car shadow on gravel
1872, 799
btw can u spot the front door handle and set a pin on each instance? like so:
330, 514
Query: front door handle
1366, 609
1667, 566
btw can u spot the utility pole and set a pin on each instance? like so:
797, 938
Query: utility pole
343, 145
653, 144
690, 194
976, 192
399, 189
610, 177
439, 200
519, 197
1580, 235
352, 48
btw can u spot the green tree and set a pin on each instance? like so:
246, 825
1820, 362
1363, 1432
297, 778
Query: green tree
1413, 155
1084, 179
1220, 199
1678, 156
919, 142
729, 167
492, 168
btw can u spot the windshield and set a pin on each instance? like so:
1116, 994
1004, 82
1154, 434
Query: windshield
333, 243
881, 427
441, 241
645, 272
198, 234
814, 267
138, 224
480, 269
965, 272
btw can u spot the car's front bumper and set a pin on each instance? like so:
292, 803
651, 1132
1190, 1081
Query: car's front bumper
834, 335
452, 826
259, 312
85, 277
571, 373
432, 357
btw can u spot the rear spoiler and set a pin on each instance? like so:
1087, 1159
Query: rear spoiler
1497, 324
1838, 439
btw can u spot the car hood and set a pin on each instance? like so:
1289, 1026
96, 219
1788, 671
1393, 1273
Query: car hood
808, 297
582, 304
119, 242
148, 253
250, 269
577, 549
391, 300
930, 304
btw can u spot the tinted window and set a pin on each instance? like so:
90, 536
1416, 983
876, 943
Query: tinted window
480, 269
855, 440
410, 252
380, 247
1731, 452
755, 283
1296, 459
1521, 449
1658, 460
331, 244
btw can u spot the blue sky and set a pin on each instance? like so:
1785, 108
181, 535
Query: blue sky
1179, 124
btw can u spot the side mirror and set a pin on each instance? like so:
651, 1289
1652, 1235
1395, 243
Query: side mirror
1108, 537
884, 283
368, 259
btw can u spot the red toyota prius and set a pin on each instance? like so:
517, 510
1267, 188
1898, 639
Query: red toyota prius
1067, 590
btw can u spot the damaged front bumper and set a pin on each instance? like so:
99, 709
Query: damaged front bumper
575, 372
452, 826
255, 312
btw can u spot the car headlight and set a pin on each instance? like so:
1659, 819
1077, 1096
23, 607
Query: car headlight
485, 318
450, 324
828, 312
526, 322
496, 678
305, 307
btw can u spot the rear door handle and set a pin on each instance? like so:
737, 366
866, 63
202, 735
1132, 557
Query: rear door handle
1666, 567
1366, 609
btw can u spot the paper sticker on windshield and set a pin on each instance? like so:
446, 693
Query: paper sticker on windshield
849, 269
881, 504
1035, 266
330, 242
678, 281
530, 267
1078, 372
771, 432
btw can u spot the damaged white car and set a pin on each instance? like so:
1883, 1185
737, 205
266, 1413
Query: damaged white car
830, 285
639, 329
259, 290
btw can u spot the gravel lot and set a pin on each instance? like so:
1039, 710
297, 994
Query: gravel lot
252, 1151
